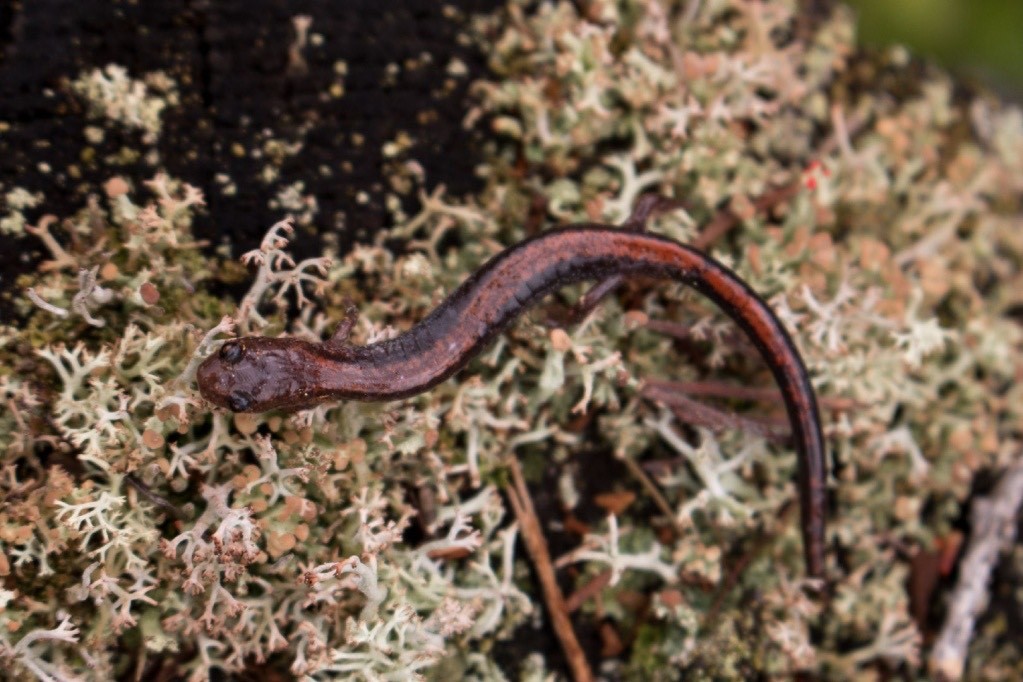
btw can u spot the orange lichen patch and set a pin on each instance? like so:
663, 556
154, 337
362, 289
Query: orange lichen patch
799, 243
595, 209
935, 278
109, 272
615, 502
449, 553
989, 440
279, 543
149, 293
755, 259
822, 250
560, 340
172, 411
248, 474
671, 598
573, 525
894, 131
743, 207
873, 253
59, 485
116, 187
634, 319
906, 508
352, 452
152, 439
246, 424
301, 507
17, 535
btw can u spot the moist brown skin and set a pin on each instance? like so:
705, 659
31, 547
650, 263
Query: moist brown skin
256, 374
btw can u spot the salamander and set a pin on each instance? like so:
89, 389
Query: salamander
257, 374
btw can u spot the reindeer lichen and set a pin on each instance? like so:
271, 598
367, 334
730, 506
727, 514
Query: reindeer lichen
158, 528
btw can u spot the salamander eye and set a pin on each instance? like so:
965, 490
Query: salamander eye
231, 352
239, 401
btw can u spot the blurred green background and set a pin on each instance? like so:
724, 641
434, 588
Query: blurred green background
977, 38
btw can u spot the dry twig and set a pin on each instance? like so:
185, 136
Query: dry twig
994, 529
696, 413
588, 591
718, 389
536, 546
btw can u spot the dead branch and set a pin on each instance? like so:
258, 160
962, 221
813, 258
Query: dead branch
994, 530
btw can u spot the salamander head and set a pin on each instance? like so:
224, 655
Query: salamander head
256, 374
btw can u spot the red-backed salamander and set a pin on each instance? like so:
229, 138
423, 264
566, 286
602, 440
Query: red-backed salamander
256, 374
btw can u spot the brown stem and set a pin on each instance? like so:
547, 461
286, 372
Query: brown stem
536, 546
994, 520
588, 591
684, 332
655, 493
726, 219
692, 412
718, 389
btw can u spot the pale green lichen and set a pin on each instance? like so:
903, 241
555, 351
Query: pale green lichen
894, 265
111, 94
14, 202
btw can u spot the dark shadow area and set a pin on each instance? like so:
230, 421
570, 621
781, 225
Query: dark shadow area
368, 75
